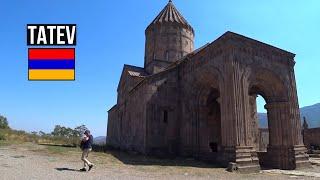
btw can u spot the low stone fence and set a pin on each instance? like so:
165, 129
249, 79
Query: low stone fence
311, 138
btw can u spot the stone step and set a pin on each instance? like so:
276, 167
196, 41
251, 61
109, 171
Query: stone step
244, 155
247, 161
303, 164
249, 169
302, 156
301, 145
244, 150
300, 148
315, 161
314, 155
244, 147
316, 151
300, 152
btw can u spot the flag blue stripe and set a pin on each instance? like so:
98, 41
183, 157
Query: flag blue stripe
51, 64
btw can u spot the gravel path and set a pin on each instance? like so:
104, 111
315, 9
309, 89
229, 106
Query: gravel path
30, 161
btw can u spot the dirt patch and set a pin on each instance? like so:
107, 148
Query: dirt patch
20, 162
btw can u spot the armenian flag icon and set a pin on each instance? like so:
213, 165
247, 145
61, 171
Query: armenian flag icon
51, 64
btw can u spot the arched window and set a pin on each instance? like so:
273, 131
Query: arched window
167, 55
165, 116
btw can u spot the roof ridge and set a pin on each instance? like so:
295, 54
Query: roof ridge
133, 66
170, 14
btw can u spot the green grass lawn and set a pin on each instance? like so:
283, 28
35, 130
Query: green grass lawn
61, 150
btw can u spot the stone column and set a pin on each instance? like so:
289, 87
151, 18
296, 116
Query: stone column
280, 148
255, 138
301, 157
235, 120
294, 109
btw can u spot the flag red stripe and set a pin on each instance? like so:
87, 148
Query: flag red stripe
67, 53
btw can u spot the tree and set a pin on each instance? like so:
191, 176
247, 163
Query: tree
67, 132
80, 130
4, 123
56, 130
60, 131
41, 133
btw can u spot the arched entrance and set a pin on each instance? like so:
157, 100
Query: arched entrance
209, 127
262, 134
205, 114
214, 121
280, 150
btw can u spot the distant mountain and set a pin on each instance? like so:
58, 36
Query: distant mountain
99, 140
312, 114
263, 120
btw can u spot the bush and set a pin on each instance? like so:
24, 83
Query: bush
103, 148
4, 123
2, 136
61, 135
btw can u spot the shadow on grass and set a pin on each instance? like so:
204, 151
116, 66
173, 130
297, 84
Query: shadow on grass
137, 159
67, 169
58, 145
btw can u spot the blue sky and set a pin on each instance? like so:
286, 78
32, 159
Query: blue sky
111, 33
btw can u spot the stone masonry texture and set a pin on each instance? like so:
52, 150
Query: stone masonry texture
202, 103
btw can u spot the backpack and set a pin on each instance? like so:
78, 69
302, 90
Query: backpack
81, 145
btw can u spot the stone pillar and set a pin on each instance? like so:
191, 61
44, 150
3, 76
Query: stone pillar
280, 148
235, 119
294, 110
301, 157
255, 137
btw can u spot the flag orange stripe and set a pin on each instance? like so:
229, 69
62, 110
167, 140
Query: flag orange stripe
51, 74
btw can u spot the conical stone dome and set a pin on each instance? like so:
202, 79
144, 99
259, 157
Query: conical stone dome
170, 14
168, 38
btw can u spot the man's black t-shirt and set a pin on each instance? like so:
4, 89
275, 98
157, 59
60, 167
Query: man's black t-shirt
88, 144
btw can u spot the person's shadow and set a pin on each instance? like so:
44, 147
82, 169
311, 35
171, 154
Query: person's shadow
67, 169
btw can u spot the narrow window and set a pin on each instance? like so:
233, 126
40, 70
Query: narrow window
167, 55
165, 116
213, 146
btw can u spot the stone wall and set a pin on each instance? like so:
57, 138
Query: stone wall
127, 120
177, 111
113, 132
311, 137
166, 43
263, 139
163, 115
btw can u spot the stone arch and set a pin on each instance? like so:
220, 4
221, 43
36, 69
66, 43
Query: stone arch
204, 84
273, 89
268, 84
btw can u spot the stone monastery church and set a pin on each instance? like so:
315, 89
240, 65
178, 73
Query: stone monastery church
202, 102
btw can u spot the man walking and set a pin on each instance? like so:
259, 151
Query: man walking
86, 146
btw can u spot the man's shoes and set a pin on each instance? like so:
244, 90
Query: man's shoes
90, 167
83, 169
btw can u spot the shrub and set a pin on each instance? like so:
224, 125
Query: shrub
2, 136
4, 123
